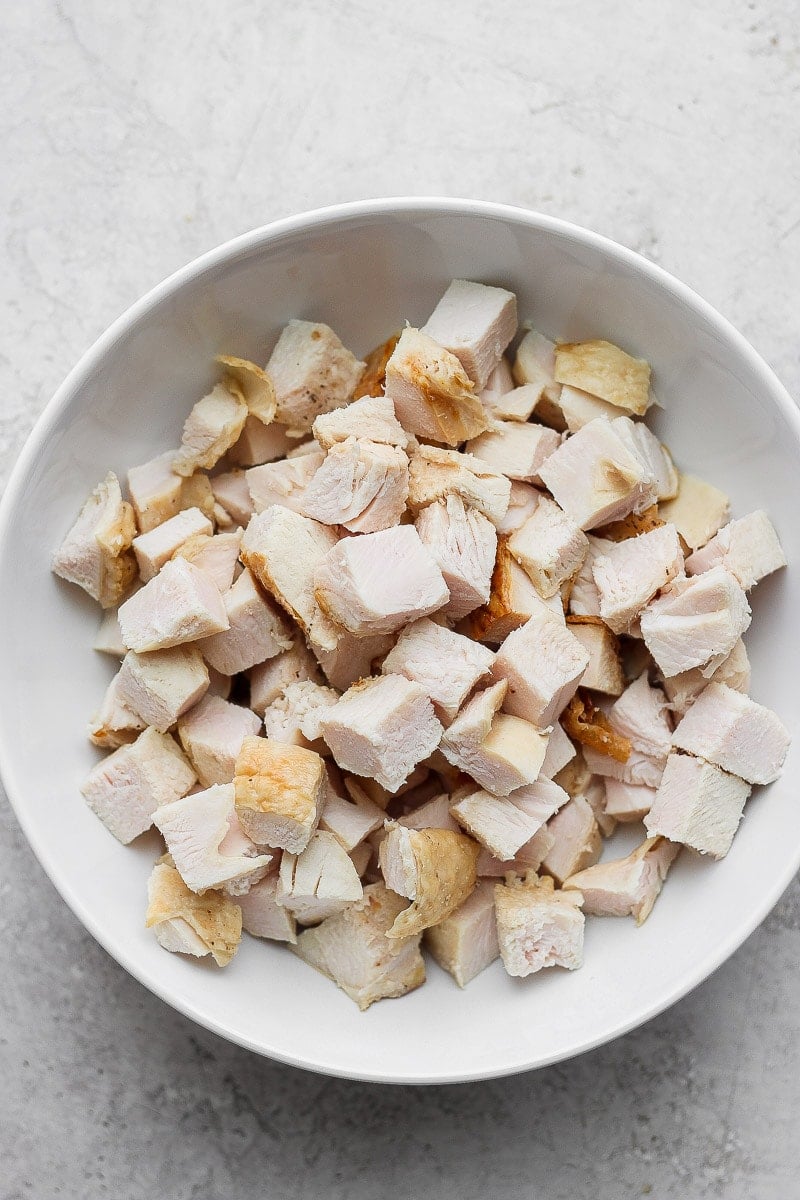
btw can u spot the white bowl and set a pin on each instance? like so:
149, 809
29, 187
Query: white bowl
365, 268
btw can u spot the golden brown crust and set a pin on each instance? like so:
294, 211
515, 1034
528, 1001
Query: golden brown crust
215, 919
604, 370
631, 526
118, 574
585, 723
277, 778
446, 865
484, 620
196, 492
374, 377
253, 384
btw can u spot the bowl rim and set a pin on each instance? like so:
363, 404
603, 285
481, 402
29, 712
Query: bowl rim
319, 218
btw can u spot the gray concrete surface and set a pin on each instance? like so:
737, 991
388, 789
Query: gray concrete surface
136, 136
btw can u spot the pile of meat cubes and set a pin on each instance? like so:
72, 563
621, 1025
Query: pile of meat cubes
403, 640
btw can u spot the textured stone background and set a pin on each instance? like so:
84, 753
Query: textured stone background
135, 137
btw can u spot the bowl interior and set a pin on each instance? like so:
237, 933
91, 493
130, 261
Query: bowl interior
366, 269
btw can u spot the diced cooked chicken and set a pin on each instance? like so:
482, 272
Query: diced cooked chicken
627, 802
211, 428
697, 804
318, 882
283, 550
528, 858
578, 842
371, 417
513, 600
534, 366
181, 604
596, 477
522, 504
381, 728
95, 554
549, 547
196, 492
259, 443
189, 924
579, 408
515, 405
560, 752
499, 382
576, 777
446, 664
748, 548
253, 385
432, 394
641, 714
515, 448
127, 787
350, 819
626, 886
361, 484
465, 943
114, 724
594, 793
285, 482
353, 950
603, 370
499, 751
378, 582
538, 927
294, 717
218, 556
638, 768
108, 639
696, 622
219, 684
311, 446
476, 323
155, 491
312, 373
361, 857
655, 456
263, 916
268, 679
280, 792
628, 574
497, 822
604, 672
463, 542
584, 598
433, 814
371, 383
733, 732
162, 685
212, 733
683, 689
433, 868
158, 546
354, 658
543, 664
257, 630
697, 512
233, 494
207, 844
435, 474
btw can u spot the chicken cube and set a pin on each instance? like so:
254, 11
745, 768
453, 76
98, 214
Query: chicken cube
207, 844
543, 664
626, 886
312, 373
538, 926
155, 491
432, 394
259, 443
280, 791
697, 512
231, 491
371, 417
463, 543
604, 672
211, 428
381, 728
595, 793
516, 405
522, 503
189, 924
283, 550
748, 548
733, 732
696, 622
159, 545
549, 547
499, 751
578, 842
534, 366
433, 868
268, 679
683, 689
125, 789
560, 751
95, 554
378, 582
497, 822
627, 802
257, 630
262, 914
655, 456
446, 664
108, 639
212, 733
603, 370
285, 482
513, 600
294, 717
320, 881
584, 598
218, 556
353, 950
114, 724
579, 408
499, 382
465, 943
476, 323
697, 804
354, 658
435, 474
433, 814
641, 770
350, 819
628, 574
596, 477
162, 685
516, 449
249, 381
181, 604
361, 484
